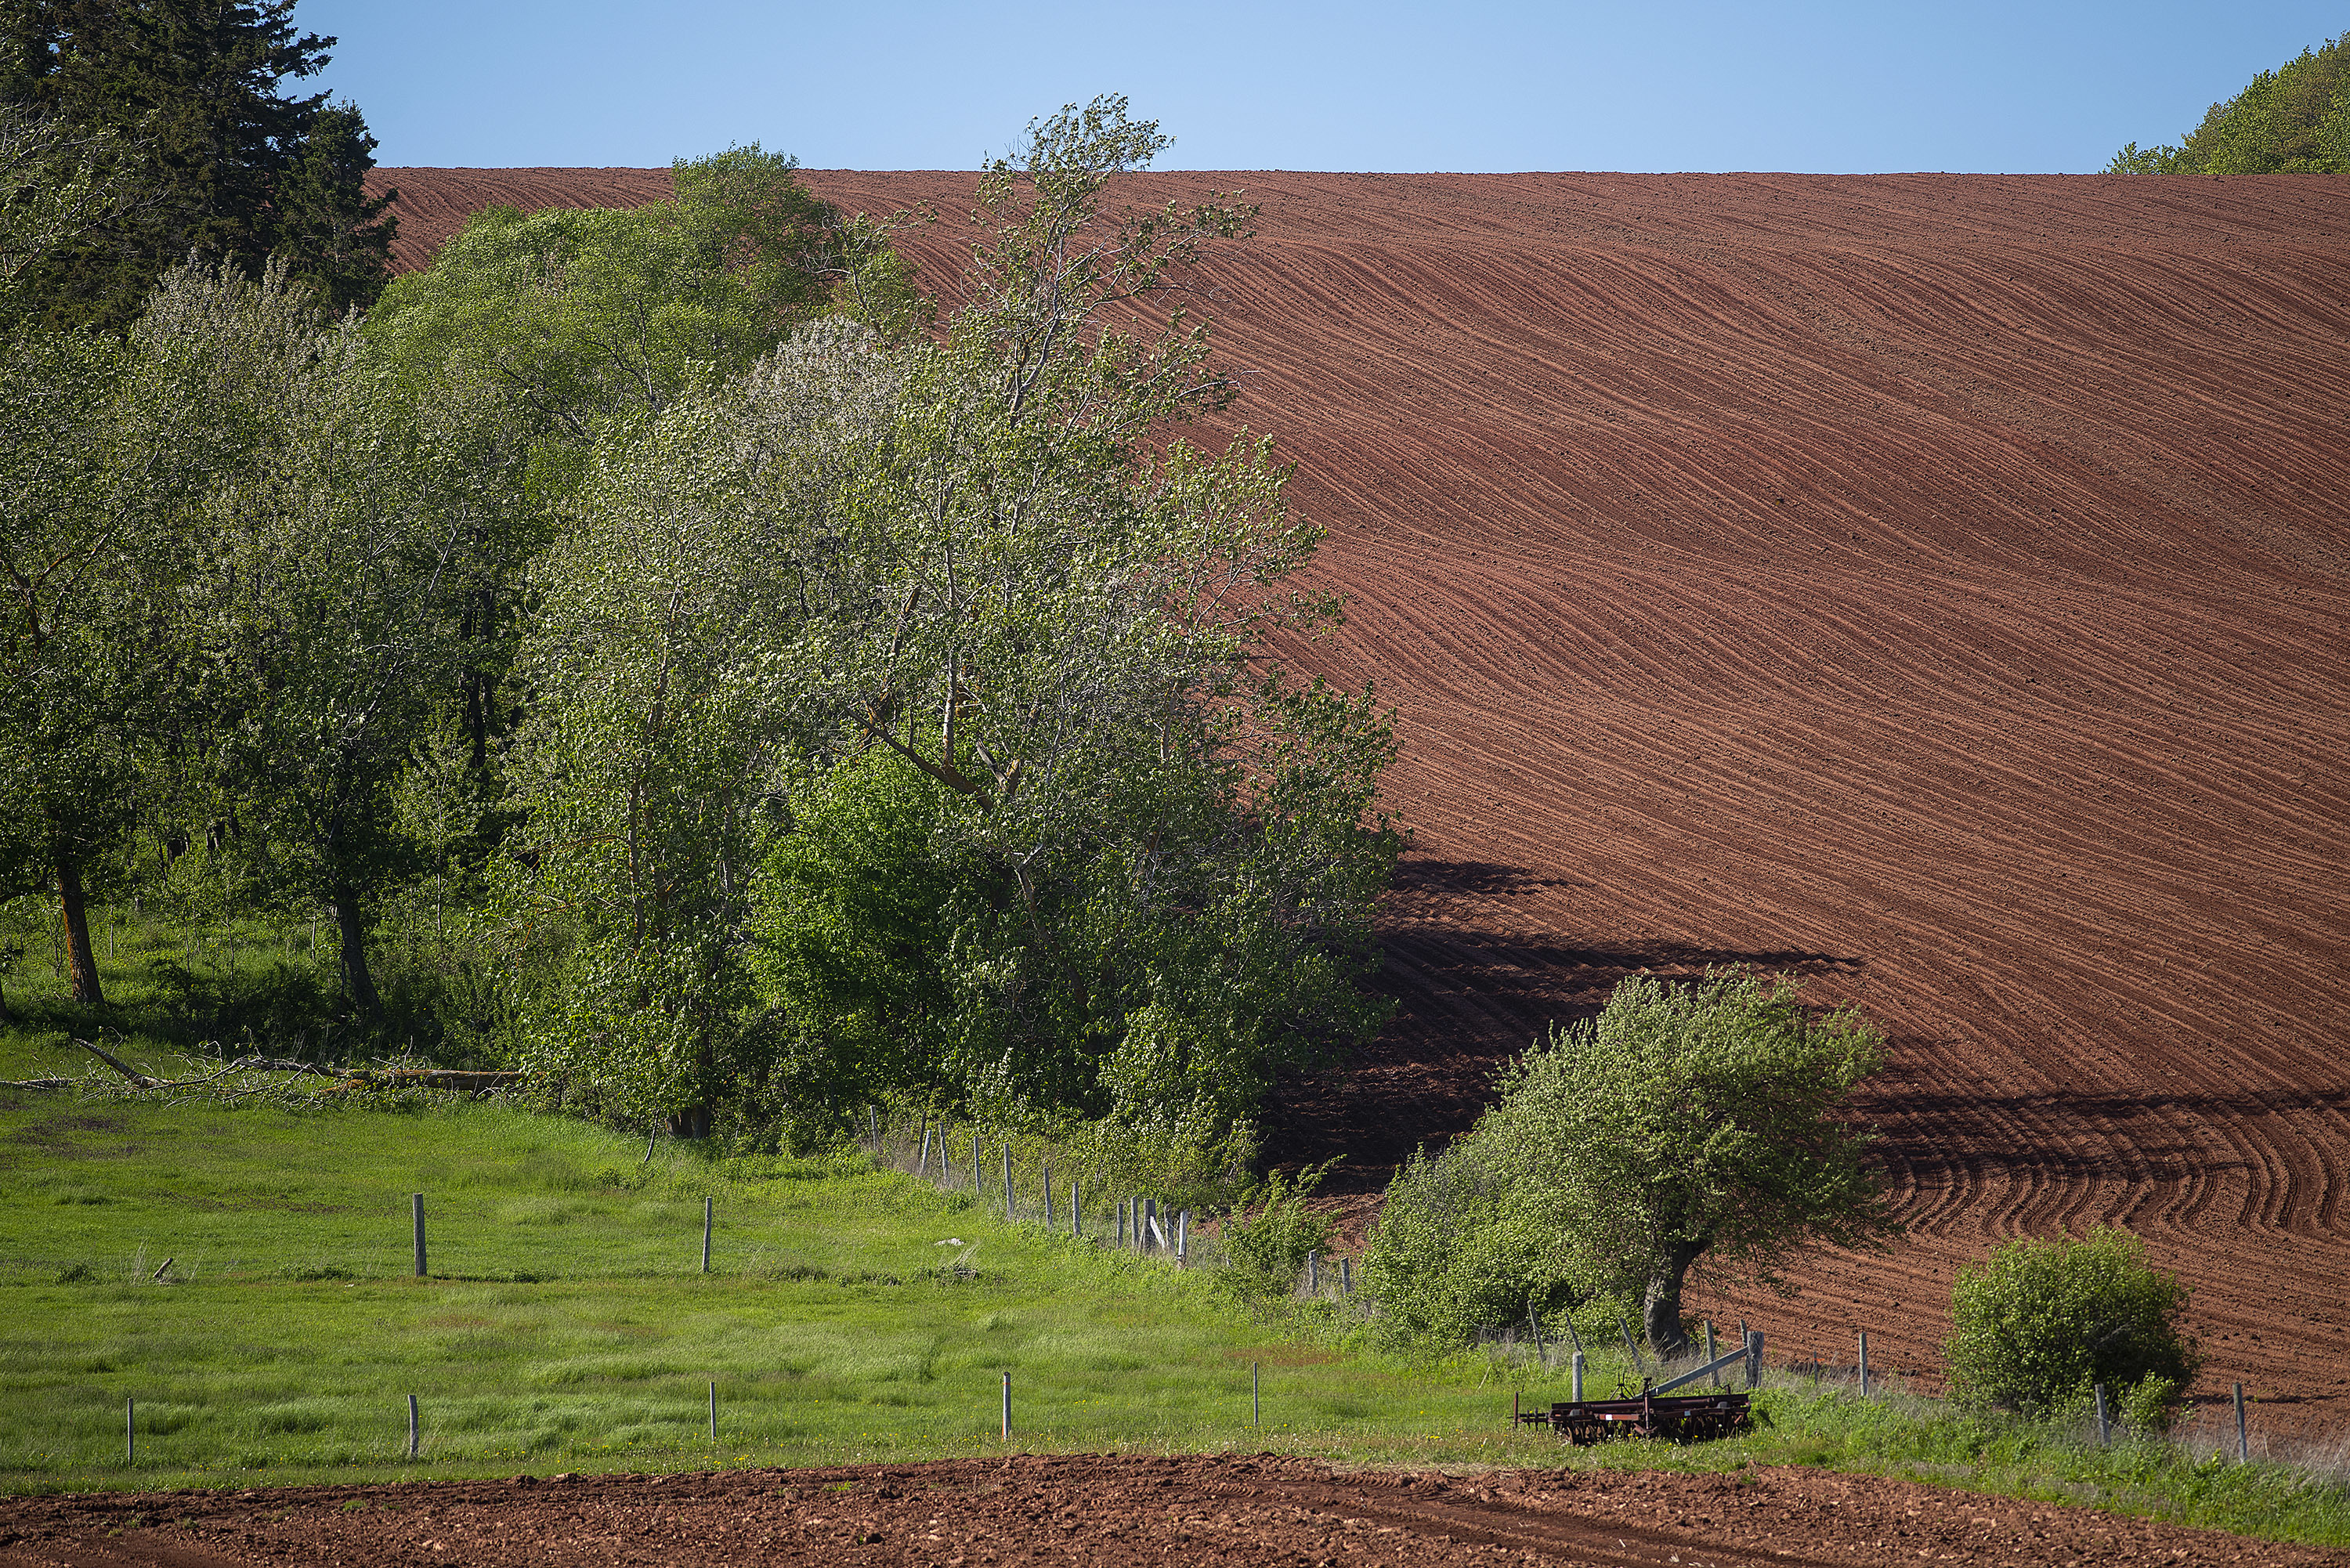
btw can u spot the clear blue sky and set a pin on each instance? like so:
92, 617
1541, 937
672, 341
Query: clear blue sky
1835, 86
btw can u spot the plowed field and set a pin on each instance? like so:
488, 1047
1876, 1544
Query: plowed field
1086, 1509
1938, 585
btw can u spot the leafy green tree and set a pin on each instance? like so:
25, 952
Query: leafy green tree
58, 186
332, 510
563, 327
232, 168
963, 555
591, 317
2293, 120
1690, 1124
657, 762
78, 583
2037, 1324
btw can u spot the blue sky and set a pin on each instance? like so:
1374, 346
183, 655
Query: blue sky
1831, 86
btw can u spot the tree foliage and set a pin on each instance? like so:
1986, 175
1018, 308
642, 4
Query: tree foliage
2294, 120
950, 577
189, 96
1685, 1125
2037, 1324
810, 694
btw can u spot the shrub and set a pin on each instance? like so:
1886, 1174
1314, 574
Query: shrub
1465, 1242
1267, 1248
2038, 1323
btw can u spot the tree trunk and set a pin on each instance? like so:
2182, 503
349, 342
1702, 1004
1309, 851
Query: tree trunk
694, 1121
358, 984
80, 962
1661, 1307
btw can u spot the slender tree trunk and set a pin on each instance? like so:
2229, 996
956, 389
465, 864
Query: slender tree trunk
80, 962
695, 1120
1661, 1308
359, 983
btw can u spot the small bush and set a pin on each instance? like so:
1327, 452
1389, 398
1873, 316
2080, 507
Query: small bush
2038, 1323
2149, 1403
1267, 1248
1465, 1242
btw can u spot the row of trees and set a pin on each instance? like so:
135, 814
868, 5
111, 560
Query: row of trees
799, 692
2294, 120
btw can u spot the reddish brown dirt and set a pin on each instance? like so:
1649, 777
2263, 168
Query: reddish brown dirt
1103, 1509
1938, 585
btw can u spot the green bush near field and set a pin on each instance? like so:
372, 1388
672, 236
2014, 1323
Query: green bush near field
2039, 1325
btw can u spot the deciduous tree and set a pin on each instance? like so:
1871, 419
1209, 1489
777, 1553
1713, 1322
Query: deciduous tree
1692, 1122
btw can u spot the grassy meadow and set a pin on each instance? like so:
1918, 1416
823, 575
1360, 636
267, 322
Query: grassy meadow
850, 1314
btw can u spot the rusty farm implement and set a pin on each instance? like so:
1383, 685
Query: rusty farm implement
1656, 1411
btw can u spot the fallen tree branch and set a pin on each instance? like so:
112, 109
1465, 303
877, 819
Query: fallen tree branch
423, 1078
111, 1060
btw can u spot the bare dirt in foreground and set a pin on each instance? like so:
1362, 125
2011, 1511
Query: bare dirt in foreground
1936, 585
1083, 1509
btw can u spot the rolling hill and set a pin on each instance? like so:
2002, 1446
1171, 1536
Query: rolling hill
1938, 585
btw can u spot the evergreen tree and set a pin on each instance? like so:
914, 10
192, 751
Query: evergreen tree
233, 167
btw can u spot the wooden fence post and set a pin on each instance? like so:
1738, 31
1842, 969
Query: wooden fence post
1313, 1272
705, 1233
2104, 1427
1007, 1407
1182, 1239
1077, 1216
1007, 1179
1577, 1364
1256, 1395
1864, 1363
411, 1425
922, 1170
1047, 1185
416, 1212
2243, 1442
1711, 1352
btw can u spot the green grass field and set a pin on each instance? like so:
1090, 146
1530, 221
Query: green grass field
850, 1314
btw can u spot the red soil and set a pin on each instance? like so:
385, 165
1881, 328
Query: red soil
1937, 586
1085, 1510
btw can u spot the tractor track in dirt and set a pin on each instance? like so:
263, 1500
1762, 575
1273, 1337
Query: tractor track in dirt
1936, 585
1102, 1508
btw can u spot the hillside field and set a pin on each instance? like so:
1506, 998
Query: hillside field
1937, 586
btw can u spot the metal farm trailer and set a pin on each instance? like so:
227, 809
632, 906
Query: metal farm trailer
1656, 1412
1681, 1419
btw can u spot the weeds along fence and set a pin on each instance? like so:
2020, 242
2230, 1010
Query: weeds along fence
1131, 1196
